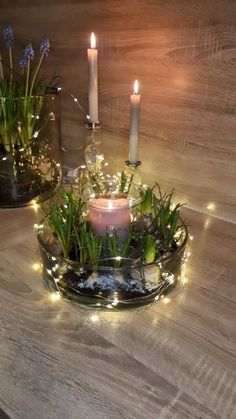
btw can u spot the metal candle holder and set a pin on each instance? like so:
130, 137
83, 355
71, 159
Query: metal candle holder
132, 171
93, 125
133, 165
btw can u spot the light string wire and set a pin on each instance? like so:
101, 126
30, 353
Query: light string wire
110, 303
167, 280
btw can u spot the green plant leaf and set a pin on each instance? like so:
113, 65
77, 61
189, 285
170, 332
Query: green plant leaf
146, 204
149, 249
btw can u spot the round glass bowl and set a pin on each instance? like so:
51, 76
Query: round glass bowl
116, 283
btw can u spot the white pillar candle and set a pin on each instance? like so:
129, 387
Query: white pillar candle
134, 124
93, 80
107, 214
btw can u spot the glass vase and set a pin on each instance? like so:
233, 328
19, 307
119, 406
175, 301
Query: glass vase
29, 148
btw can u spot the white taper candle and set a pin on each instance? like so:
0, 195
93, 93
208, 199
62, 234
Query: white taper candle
134, 124
93, 80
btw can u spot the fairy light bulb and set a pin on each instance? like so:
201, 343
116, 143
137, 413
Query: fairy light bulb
55, 296
36, 266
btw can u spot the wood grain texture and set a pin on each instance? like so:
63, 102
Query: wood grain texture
183, 53
174, 360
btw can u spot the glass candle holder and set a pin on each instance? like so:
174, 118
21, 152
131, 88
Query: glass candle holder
109, 213
111, 206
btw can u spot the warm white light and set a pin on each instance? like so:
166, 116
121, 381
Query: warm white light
55, 267
171, 279
35, 205
93, 40
110, 206
38, 226
55, 296
36, 266
166, 300
184, 280
211, 206
94, 318
207, 223
136, 87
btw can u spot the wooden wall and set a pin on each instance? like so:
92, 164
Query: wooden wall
184, 54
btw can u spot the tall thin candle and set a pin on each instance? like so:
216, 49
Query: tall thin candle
134, 124
93, 80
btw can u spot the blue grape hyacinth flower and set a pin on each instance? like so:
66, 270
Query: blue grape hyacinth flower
8, 36
23, 62
29, 52
45, 46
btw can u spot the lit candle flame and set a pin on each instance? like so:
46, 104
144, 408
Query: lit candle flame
110, 206
136, 87
93, 40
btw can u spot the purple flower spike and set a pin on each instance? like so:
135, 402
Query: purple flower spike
45, 46
23, 62
29, 52
8, 36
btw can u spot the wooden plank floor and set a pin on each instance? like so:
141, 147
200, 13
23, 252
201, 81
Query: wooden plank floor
175, 359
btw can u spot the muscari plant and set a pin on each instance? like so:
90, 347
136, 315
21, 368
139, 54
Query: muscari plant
22, 100
155, 234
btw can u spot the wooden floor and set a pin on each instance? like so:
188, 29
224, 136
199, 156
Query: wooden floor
175, 359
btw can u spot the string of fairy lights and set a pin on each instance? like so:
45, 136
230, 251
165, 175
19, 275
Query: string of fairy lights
114, 301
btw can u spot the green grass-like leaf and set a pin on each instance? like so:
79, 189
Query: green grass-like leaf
149, 249
64, 216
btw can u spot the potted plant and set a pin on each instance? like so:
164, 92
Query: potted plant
28, 161
109, 270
